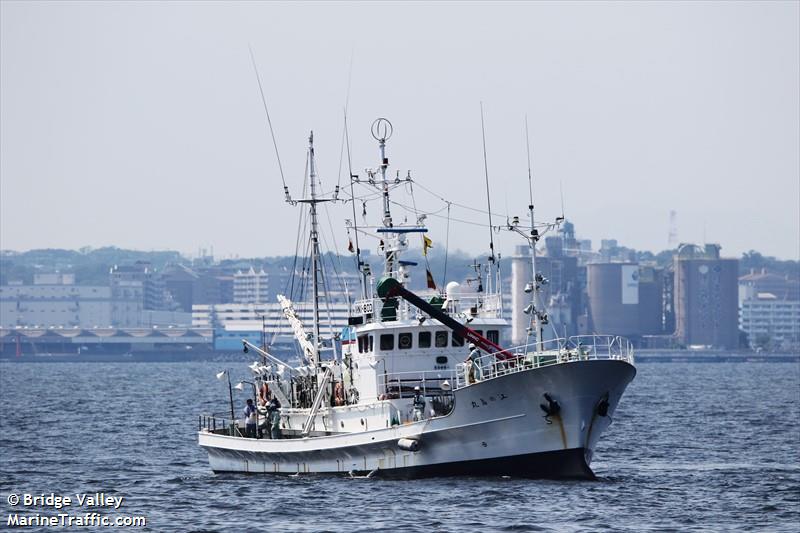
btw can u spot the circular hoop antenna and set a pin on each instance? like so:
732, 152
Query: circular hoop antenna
382, 129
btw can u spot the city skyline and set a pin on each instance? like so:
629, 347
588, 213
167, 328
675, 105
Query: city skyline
161, 143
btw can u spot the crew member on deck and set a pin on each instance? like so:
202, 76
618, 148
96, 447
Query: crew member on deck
474, 370
250, 419
419, 405
274, 418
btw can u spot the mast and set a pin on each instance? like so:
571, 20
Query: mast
311, 346
381, 131
314, 250
534, 237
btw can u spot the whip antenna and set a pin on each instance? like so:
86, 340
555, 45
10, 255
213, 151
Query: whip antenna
530, 174
359, 263
346, 105
269, 122
488, 199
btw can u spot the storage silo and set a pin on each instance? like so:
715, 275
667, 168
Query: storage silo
706, 300
613, 290
651, 300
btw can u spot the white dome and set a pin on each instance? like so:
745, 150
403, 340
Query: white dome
453, 290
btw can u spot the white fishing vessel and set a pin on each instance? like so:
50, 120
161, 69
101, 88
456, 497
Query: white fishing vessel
419, 385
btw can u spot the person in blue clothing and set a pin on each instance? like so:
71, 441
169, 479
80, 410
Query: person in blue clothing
250, 419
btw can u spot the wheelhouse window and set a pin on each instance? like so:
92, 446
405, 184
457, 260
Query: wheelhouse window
404, 340
479, 332
493, 335
362, 344
424, 340
441, 339
371, 343
458, 340
387, 341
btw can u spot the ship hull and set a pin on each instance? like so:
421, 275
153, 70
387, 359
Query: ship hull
496, 427
558, 464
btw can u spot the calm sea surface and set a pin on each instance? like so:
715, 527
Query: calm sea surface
693, 447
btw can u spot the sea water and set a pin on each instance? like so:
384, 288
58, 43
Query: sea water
693, 447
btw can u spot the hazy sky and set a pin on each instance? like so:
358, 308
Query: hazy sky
140, 125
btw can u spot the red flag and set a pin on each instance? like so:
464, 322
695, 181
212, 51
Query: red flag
350, 246
431, 283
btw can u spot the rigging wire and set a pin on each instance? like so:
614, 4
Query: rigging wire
457, 204
302, 222
338, 271
436, 214
269, 120
326, 291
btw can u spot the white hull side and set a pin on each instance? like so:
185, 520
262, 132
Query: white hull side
495, 427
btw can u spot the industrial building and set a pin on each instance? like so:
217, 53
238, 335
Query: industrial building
652, 305
188, 286
54, 304
134, 288
706, 302
613, 290
262, 323
626, 299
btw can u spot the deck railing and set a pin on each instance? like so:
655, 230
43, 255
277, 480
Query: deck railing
467, 306
220, 424
436, 386
553, 351
401, 384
